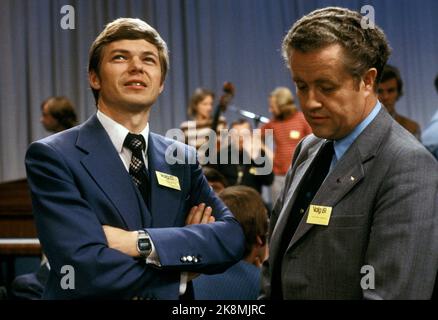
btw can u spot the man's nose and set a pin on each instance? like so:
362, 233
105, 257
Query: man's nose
311, 101
136, 64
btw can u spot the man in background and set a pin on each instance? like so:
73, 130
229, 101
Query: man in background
58, 114
252, 157
390, 89
241, 281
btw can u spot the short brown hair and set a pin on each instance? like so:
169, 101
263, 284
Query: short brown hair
364, 48
285, 102
391, 72
247, 206
131, 29
62, 110
198, 95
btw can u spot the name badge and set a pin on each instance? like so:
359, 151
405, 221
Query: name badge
319, 215
168, 180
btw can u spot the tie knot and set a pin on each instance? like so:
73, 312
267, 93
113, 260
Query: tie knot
135, 142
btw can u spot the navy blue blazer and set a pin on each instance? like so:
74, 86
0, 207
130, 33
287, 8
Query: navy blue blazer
79, 183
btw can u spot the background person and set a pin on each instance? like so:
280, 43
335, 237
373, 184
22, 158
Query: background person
241, 281
200, 109
390, 89
58, 114
289, 127
251, 156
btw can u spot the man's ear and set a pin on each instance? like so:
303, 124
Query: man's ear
94, 80
369, 80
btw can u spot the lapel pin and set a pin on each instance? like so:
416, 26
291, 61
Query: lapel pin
352, 178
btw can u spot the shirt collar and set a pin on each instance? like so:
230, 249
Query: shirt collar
117, 132
341, 146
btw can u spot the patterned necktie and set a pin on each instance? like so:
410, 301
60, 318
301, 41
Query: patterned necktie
137, 167
309, 186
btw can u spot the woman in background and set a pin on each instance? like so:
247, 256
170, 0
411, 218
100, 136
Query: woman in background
197, 131
289, 127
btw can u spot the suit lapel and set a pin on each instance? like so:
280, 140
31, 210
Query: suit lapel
106, 168
303, 163
163, 199
347, 173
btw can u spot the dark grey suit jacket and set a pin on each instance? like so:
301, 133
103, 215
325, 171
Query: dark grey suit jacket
384, 195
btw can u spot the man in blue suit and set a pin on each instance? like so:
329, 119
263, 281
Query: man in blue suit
111, 212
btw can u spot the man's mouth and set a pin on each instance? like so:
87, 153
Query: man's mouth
135, 83
317, 119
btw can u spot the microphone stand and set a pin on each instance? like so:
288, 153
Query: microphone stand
250, 115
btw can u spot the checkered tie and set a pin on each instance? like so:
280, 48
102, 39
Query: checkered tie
137, 168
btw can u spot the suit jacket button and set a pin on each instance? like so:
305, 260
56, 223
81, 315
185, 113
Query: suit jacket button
189, 258
195, 260
183, 259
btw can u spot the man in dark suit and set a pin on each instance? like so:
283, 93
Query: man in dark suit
357, 217
252, 160
112, 213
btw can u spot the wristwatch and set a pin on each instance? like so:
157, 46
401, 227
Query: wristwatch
144, 246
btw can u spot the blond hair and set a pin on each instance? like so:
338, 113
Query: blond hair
285, 102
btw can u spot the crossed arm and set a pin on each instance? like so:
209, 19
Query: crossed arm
126, 241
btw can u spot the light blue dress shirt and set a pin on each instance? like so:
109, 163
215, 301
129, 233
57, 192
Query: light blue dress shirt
341, 146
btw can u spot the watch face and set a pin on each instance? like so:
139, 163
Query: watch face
144, 245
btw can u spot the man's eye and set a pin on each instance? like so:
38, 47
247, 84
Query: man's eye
149, 60
119, 57
301, 87
328, 89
